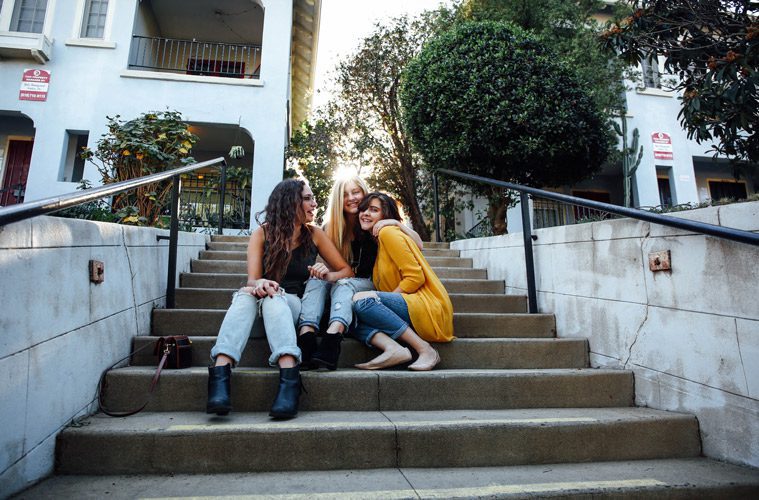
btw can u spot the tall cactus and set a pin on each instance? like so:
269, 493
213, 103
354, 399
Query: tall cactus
631, 156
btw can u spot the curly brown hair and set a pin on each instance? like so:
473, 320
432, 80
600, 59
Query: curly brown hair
284, 211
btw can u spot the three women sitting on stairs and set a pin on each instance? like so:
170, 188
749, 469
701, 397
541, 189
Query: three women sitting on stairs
281, 257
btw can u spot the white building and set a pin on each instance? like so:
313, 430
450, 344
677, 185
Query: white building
240, 71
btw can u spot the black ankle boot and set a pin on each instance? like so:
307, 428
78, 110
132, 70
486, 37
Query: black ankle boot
329, 351
307, 345
218, 390
286, 403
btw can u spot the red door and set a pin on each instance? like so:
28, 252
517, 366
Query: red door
16, 170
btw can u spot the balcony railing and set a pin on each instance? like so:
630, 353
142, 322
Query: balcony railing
191, 57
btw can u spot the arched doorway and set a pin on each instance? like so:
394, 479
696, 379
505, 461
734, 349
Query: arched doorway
16, 145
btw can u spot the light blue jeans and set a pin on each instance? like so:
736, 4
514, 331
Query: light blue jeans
340, 298
272, 317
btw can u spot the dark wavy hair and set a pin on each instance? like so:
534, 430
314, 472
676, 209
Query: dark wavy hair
387, 202
283, 212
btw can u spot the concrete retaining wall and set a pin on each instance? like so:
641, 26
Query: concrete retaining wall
691, 335
58, 331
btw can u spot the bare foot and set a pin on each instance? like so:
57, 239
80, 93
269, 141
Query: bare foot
426, 361
387, 359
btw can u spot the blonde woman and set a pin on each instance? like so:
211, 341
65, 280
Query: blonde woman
359, 249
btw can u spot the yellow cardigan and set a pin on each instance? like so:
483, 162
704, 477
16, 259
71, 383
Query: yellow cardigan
401, 263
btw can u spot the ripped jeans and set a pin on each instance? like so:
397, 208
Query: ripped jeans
341, 300
273, 317
388, 314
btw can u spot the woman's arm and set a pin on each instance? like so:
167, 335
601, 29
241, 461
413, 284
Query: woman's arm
397, 246
403, 227
256, 284
331, 256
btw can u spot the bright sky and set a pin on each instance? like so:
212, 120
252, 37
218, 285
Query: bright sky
345, 22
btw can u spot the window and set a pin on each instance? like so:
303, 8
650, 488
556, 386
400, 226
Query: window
93, 22
651, 72
29, 16
585, 213
665, 192
719, 190
73, 163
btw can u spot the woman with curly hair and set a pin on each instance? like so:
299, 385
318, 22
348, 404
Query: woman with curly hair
412, 305
356, 247
281, 257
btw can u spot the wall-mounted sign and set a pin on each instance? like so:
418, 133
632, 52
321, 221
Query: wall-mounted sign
34, 85
662, 146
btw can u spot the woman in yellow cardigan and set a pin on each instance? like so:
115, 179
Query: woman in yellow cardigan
411, 304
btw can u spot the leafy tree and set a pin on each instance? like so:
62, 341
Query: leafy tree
153, 142
569, 29
367, 105
711, 45
313, 150
476, 100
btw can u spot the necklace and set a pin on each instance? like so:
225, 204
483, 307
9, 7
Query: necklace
358, 261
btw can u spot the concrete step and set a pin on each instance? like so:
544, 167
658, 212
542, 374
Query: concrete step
193, 442
241, 245
428, 245
462, 353
234, 251
244, 240
206, 322
236, 280
240, 266
220, 298
686, 478
253, 389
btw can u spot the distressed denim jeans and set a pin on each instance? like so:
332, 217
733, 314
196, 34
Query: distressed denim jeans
388, 314
340, 295
273, 317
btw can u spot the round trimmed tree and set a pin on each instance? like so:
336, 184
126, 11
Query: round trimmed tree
489, 99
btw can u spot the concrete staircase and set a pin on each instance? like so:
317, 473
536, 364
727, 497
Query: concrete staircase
511, 411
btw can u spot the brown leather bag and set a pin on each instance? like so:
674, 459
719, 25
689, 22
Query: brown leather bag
177, 349
175, 352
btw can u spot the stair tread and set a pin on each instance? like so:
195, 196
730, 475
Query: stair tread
665, 476
373, 374
197, 422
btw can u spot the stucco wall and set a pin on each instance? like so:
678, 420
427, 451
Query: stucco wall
58, 331
89, 83
690, 335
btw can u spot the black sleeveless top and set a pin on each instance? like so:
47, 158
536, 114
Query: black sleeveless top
364, 250
296, 275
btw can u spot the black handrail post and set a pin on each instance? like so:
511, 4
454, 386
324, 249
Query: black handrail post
171, 279
436, 204
222, 196
532, 297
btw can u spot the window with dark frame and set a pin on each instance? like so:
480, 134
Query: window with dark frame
719, 190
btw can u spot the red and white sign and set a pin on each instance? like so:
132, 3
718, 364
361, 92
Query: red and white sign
662, 146
34, 85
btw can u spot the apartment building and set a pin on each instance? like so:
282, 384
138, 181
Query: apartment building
241, 72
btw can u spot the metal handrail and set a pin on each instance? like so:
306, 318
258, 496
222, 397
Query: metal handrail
28, 210
689, 225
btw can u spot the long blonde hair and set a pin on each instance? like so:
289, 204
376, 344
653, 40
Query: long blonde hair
335, 224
